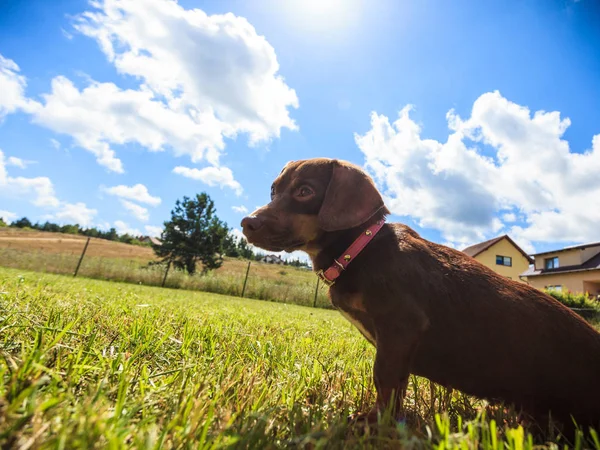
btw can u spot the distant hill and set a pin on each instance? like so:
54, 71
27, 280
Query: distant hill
33, 240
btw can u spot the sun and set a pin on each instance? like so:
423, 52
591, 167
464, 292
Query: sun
323, 17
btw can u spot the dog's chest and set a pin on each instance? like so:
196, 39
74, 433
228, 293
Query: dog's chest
352, 308
359, 325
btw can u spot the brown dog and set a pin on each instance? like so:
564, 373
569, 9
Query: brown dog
429, 309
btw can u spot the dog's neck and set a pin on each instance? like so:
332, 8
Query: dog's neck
331, 245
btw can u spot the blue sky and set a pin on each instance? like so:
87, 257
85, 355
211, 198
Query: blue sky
110, 111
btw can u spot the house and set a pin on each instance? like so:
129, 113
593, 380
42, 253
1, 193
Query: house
502, 255
150, 240
576, 269
272, 259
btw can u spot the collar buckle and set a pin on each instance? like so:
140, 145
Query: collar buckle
325, 280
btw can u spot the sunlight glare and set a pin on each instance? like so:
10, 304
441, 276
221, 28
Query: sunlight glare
325, 17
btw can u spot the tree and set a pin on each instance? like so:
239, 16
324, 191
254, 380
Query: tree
126, 238
70, 229
2, 223
237, 247
52, 227
111, 235
23, 222
194, 234
244, 250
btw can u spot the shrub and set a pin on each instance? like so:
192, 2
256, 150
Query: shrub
573, 300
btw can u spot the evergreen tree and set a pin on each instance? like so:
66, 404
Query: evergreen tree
194, 234
23, 222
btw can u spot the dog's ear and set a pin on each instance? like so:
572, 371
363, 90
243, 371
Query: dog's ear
350, 200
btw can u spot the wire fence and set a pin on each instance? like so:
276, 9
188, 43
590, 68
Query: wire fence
237, 277
99, 259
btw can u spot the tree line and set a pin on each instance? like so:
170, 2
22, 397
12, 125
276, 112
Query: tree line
194, 235
110, 235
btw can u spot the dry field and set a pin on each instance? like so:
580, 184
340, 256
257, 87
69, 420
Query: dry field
108, 260
31, 240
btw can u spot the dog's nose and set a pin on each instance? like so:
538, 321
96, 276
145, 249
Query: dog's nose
251, 223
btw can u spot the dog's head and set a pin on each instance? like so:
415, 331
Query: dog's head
310, 198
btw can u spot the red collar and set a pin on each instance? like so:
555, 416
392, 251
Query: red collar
339, 265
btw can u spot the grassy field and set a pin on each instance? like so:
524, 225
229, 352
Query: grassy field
69, 244
108, 260
90, 364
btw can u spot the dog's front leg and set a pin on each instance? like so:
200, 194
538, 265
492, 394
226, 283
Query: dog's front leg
396, 343
393, 361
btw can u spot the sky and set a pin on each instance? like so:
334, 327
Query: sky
475, 119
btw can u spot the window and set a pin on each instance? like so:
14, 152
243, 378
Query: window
556, 288
503, 260
551, 263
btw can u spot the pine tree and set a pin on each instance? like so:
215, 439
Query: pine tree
194, 234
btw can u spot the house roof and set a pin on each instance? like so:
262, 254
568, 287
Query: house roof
152, 239
476, 249
591, 264
573, 247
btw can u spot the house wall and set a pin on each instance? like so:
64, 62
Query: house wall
519, 263
566, 258
577, 282
569, 257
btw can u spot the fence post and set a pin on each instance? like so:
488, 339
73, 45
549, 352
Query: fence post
81, 258
166, 273
246, 279
316, 292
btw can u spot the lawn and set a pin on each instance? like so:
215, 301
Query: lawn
92, 364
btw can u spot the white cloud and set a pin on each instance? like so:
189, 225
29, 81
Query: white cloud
509, 217
137, 192
102, 115
240, 209
7, 216
153, 230
72, 213
66, 34
124, 228
104, 226
216, 64
12, 94
202, 79
213, 176
40, 188
137, 211
40, 191
454, 187
55, 143
18, 162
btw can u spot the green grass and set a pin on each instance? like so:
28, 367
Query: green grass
91, 364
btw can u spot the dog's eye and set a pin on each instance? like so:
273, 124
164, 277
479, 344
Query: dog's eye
304, 191
272, 192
